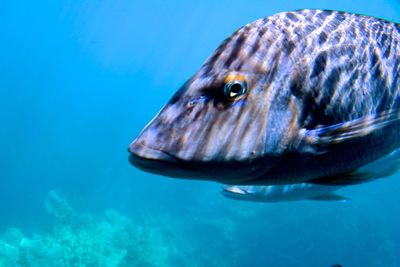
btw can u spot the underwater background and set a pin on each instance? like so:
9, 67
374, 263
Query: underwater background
80, 79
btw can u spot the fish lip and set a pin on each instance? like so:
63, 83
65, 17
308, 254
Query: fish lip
155, 160
140, 150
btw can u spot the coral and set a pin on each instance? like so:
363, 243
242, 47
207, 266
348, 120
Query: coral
82, 240
8, 254
59, 207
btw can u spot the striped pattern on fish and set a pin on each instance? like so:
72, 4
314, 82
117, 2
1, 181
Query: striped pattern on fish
312, 77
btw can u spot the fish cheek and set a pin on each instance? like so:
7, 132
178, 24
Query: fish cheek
178, 94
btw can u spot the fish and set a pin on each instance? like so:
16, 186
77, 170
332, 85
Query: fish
281, 193
306, 96
383, 167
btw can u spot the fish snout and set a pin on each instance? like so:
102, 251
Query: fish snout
153, 160
141, 151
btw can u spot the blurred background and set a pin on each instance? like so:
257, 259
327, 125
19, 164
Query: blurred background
80, 79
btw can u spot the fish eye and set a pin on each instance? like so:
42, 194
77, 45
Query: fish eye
235, 89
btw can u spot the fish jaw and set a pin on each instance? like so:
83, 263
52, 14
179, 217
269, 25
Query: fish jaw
157, 161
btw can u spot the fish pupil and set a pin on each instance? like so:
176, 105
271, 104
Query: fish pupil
236, 88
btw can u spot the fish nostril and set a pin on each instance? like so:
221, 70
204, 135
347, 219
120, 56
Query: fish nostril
195, 101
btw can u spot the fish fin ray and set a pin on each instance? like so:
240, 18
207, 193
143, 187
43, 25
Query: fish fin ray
317, 140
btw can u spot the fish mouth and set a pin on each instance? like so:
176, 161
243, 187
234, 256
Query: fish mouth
158, 161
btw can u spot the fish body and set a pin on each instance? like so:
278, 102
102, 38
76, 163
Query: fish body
281, 193
298, 97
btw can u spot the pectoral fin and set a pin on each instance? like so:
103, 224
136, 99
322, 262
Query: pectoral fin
316, 139
330, 197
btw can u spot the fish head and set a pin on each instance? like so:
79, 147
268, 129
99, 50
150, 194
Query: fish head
207, 130
222, 124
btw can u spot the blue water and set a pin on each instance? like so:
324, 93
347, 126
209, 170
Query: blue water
80, 79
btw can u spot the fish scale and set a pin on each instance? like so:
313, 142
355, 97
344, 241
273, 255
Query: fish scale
321, 100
